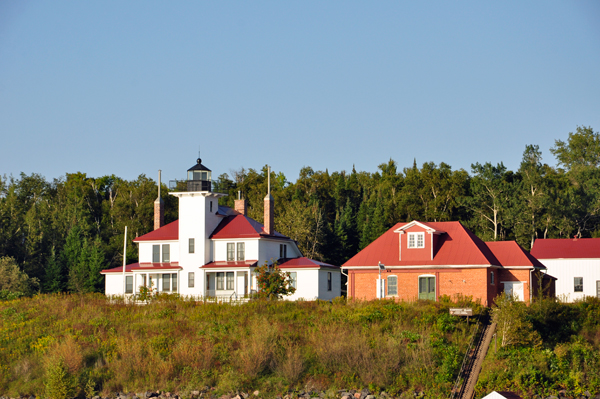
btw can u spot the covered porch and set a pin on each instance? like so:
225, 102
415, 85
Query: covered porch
229, 280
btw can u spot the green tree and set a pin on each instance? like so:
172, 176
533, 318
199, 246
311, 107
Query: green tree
512, 324
273, 282
531, 197
489, 201
55, 277
13, 279
582, 150
580, 156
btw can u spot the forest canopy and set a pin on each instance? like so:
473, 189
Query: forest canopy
61, 233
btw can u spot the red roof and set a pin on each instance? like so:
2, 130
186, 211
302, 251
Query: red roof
302, 263
158, 267
240, 226
557, 248
457, 247
225, 264
167, 232
509, 253
234, 225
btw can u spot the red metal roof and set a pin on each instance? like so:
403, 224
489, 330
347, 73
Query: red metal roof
240, 226
509, 253
302, 263
167, 232
224, 264
557, 248
457, 246
158, 267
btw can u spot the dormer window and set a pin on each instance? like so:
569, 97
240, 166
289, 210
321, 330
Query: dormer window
416, 240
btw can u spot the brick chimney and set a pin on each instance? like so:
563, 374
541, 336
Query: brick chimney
240, 205
269, 208
159, 209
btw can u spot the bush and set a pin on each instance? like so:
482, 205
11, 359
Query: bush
14, 280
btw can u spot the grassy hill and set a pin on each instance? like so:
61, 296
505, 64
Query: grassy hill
69, 344
66, 345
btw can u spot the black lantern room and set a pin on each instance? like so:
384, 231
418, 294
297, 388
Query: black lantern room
199, 177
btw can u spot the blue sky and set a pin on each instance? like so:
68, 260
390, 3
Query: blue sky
130, 87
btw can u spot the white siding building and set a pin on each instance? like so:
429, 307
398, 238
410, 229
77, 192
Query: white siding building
212, 251
574, 262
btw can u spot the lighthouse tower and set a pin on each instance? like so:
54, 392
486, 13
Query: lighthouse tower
198, 207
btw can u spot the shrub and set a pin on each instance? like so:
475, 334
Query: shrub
60, 384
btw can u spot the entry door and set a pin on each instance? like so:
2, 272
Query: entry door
514, 288
241, 284
427, 288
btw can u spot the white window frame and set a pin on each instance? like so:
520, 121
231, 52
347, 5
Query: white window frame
232, 253
413, 240
129, 284
191, 246
220, 281
240, 248
575, 285
191, 279
155, 253
389, 279
294, 279
165, 256
166, 282
230, 281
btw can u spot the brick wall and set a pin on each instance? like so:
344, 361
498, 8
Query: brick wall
159, 214
269, 215
240, 206
469, 282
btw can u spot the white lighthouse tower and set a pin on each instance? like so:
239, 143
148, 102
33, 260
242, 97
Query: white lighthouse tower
198, 207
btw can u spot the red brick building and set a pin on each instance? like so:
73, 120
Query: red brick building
427, 260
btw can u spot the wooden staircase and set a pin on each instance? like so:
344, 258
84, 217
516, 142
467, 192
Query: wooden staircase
464, 387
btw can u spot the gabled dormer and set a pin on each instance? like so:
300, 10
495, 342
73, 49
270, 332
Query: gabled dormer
418, 241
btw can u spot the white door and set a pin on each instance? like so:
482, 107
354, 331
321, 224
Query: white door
241, 284
514, 288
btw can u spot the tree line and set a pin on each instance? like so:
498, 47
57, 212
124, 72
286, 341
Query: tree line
61, 233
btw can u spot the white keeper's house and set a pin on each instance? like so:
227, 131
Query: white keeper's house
212, 251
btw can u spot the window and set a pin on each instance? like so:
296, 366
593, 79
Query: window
282, 251
191, 280
220, 280
492, 278
191, 246
230, 252
210, 206
392, 285
174, 282
166, 283
328, 281
416, 240
166, 253
129, 284
578, 284
230, 281
241, 255
293, 279
156, 253
427, 288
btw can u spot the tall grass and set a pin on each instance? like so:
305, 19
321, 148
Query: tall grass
91, 345
554, 347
